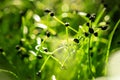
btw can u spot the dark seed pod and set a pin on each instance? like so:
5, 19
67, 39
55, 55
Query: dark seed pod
76, 40
88, 24
104, 27
46, 50
92, 17
17, 47
21, 43
48, 34
118, 42
67, 24
88, 15
96, 34
86, 34
105, 5
19, 52
24, 56
39, 57
107, 22
47, 10
90, 48
38, 73
52, 14
41, 39
91, 30
91, 54
1, 50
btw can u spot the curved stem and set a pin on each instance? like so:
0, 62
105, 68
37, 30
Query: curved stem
3, 70
109, 44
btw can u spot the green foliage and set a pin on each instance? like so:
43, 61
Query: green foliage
66, 40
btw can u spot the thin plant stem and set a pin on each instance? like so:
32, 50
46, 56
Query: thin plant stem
56, 60
45, 62
67, 34
64, 24
73, 29
3, 70
99, 16
109, 44
58, 20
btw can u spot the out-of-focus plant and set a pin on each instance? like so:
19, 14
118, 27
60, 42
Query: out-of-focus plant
58, 40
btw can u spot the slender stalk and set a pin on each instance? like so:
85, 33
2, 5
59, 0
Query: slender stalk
67, 34
58, 20
56, 60
99, 16
45, 62
109, 44
73, 29
64, 24
3, 70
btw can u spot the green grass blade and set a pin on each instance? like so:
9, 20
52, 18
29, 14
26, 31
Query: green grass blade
109, 43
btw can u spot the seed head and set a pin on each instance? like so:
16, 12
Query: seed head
91, 54
96, 34
67, 24
91, 30
86, 34
88, 24
104, 27
92, 17
48, 34
88, 15
39, 57
52, 14
1, 50
46, 50
76, 40
17, 47
118, 42
38, 73
47, 10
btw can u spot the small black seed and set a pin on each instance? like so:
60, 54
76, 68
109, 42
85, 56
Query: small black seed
88, 24
1, 50
105, 5
96, 34
52, 14
38, 73
88, 15
86, 34
107, 22
41, 39
48, 34
67, 24
104, 27
39, 57
25, 55
76, 40
91, 30
17, 47
90, 48
118, 42
92, 17
46, 50
47, 10
19, 52
91, 54
22, 42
